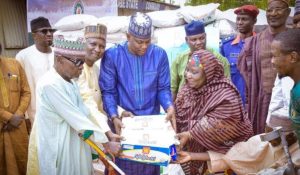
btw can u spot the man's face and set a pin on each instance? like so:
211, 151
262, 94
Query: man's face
280, 61
71, 66
43, 36
95, 48
138, 46
196, 42
277, 14
245, 23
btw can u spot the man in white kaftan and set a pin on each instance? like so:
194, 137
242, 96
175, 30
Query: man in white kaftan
37, 59
61, 115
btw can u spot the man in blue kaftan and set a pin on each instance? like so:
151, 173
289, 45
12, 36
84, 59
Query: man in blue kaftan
135, 75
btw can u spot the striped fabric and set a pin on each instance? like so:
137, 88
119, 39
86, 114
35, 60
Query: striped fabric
213, 114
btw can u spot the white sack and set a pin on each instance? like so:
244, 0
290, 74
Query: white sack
115, 24
74, 22
170, 37
116, 38
206, 13
225, 28
166, 18
71, 35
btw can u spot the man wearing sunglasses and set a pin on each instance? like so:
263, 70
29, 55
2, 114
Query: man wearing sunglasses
61, 115
37, 59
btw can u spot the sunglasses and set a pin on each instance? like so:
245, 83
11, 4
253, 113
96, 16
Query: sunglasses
76, 62
45, 31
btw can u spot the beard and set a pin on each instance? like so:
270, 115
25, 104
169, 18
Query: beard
50, 43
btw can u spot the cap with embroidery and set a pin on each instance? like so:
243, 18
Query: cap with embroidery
251, 10
140, 25
38, 23
285, 1
64, 46
95, 31
194, 28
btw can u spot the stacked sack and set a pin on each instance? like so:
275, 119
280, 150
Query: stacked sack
168, 26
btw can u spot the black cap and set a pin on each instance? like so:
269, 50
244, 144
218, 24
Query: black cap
38, 23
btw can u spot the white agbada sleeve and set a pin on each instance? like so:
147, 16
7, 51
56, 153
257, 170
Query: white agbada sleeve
66, 109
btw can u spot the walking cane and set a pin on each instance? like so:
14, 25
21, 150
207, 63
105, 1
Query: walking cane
107, 161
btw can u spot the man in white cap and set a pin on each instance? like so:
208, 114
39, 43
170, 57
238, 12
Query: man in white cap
136, 76
61, 115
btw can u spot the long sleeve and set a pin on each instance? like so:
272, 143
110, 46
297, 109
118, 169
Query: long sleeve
90, 93
223, 123
19, 58
216, 163
24, 92
97, 116
174, 77
244, 158
107, 83
164, 92
71, 113
5, 115
222, 50
245, 60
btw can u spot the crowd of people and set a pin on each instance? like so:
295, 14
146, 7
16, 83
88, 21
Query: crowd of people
219, 104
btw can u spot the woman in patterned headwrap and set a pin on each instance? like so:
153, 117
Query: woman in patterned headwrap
209, 111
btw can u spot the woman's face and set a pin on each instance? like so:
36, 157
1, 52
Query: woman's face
194, 76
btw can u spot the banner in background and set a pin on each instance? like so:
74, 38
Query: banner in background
145, 5
56, 9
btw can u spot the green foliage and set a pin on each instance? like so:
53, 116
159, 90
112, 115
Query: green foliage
228, 4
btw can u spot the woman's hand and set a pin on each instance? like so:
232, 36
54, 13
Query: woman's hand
183, 157
183, 138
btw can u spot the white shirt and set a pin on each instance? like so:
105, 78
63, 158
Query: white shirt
280, 100
35, 64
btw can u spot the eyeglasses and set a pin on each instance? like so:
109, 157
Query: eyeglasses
77, 62
45, 31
